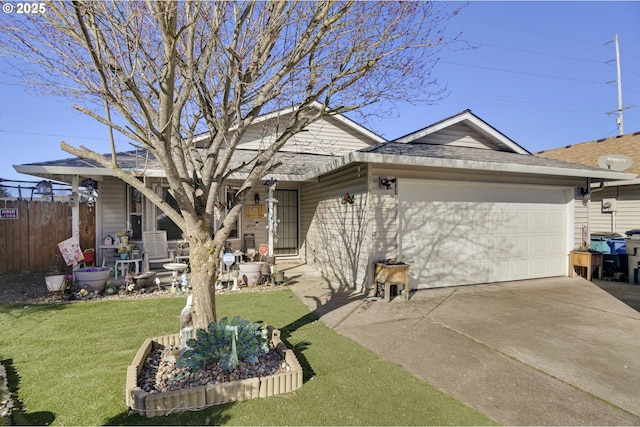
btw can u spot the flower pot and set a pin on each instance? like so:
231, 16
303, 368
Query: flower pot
251, 273
92, 279
54, 283
124, 256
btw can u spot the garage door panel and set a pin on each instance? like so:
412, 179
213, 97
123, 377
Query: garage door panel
464, 233
539, 245
556, 222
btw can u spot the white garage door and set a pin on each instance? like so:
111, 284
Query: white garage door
455, 233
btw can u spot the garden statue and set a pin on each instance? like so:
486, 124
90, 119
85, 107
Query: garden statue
186, 323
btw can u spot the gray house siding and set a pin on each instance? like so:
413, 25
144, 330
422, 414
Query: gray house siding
458, 135
626, 215
581, 219
336, 237
113, 216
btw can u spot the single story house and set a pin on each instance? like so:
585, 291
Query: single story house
458, 200
615, 208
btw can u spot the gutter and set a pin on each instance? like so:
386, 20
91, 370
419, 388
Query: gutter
362, 157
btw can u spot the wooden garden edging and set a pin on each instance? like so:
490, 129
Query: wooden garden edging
157, 404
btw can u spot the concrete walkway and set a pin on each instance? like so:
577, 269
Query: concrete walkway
557, 351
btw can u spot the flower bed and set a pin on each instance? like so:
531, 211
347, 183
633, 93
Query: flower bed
153, 404
6, 401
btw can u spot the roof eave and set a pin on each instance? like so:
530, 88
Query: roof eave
48, 171
390, 159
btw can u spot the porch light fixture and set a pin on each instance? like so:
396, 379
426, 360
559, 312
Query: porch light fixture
387, 182
257, 199
90, 184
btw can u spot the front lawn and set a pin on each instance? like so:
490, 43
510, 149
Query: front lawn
68, 363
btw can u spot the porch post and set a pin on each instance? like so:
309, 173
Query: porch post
75, 208
272, 217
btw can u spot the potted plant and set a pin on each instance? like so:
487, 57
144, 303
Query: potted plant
123, 250
251, 272
92, 279
54, 279
124, 236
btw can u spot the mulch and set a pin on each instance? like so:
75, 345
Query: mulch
24, 288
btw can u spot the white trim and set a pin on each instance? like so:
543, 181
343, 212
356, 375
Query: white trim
290, 110
471, 120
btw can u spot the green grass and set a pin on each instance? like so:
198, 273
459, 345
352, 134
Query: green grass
69, 364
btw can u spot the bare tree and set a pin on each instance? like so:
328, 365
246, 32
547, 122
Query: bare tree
172, 71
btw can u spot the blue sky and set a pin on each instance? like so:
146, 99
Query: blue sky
538, 73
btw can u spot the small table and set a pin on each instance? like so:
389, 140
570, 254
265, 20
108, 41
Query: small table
392, 274
123, 265
590, 260
104, 249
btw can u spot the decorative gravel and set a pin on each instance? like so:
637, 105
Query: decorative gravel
160, 374
31, 288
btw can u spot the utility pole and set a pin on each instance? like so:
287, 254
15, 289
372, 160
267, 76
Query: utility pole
620, 109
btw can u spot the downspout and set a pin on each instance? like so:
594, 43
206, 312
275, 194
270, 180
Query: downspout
586, 199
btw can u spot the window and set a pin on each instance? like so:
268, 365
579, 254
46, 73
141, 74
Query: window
163, 222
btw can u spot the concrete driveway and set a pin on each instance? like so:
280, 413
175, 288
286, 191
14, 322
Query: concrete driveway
557, 351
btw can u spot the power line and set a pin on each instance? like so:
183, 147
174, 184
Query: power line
547, 76
530, 31
540, 53
5, 131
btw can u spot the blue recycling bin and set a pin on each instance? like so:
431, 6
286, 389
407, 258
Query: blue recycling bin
618, 246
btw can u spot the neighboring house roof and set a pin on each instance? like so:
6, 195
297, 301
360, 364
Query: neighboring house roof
589, 152
464, 129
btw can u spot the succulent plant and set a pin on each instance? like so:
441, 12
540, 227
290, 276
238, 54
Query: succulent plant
214, 345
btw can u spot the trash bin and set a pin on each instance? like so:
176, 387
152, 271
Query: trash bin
600, 245
618, 246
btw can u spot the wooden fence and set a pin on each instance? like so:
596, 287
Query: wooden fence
30, 231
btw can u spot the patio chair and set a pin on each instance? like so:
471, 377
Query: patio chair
155, 249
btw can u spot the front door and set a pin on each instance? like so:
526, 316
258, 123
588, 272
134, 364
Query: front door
287, 236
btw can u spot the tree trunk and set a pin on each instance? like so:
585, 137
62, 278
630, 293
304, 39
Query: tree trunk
203, 277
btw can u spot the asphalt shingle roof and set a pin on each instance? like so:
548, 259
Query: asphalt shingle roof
470, 154
588, 153
292, 163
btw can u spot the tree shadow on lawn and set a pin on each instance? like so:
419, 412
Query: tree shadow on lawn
299, 348
213, 415
18, 414
17, 311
